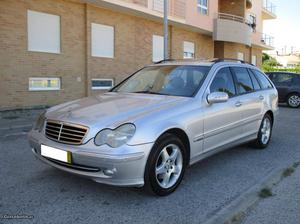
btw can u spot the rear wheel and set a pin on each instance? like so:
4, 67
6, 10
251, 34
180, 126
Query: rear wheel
264, 133
165, 166
293, 100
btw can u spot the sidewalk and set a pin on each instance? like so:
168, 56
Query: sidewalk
283, 207
17, 121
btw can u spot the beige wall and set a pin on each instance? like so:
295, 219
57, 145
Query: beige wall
194, 18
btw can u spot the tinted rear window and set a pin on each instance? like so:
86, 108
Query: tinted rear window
255, 82
263, 80
244, 83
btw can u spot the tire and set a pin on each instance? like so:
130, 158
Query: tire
264, 133
293, 100
164, 172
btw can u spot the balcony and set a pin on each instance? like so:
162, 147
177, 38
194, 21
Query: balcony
268, 10
267, 41
232, 28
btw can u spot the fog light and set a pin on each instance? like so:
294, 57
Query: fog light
109, 172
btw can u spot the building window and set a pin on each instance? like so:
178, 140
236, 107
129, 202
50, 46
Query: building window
43, 32
158, 5
157, 48
253, 60
251, 21
102, 41
240, 56
188, 49
102, 83
202, 6
40, 84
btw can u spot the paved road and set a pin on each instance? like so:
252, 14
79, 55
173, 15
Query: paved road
30, 187
282, 207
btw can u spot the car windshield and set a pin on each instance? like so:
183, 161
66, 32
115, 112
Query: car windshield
175, 80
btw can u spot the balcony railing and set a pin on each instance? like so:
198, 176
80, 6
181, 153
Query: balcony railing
267, 40
269, 6
231, 17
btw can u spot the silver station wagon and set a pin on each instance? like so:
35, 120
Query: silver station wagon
149, 128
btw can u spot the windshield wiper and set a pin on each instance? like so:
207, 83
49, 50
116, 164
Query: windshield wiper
150, 92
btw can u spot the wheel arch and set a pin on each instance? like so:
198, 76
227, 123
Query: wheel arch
291, 93
269, 112
181, 134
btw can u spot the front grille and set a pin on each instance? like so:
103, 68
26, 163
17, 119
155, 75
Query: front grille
65, 132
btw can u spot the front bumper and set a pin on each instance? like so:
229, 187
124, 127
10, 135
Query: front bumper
123, 166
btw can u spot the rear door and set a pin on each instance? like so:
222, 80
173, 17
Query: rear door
251, 100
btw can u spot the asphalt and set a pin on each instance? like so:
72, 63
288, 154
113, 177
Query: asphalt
282, 207
51, 196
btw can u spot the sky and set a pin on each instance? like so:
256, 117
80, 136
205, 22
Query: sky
286, 28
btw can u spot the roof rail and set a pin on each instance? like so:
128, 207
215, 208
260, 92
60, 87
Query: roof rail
217, 60
164, 60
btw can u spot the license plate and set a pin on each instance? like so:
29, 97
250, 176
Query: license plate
56, 154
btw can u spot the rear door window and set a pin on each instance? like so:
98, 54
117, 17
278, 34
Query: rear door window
244, 83
255, 82
263, 80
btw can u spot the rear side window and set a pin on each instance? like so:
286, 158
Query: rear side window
255, 82
282, 78
223, 82
264, 82
244, 83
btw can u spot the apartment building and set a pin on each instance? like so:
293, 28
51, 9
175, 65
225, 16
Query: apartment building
53, 51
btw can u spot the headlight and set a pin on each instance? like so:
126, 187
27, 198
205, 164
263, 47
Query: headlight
116, 137
39, 124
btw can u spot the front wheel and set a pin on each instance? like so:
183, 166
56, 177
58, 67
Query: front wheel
165, 166
264, 133
293, 100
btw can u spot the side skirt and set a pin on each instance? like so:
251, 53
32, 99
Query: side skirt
222, 148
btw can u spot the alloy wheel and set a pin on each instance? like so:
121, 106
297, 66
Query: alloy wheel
266, 130
168, 166
294, 101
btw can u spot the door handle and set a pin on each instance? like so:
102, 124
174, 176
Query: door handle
261, 97
238, 104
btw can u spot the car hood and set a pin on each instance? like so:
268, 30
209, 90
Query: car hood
110, 110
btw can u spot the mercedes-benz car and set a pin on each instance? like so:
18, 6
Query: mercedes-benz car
149, 128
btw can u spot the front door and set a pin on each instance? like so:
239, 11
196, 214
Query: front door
223, 121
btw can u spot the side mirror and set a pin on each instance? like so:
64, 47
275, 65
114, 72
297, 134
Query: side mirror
217, 97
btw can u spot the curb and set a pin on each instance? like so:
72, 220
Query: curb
233, 212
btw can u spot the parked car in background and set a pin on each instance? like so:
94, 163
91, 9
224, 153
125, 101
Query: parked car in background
288, 86
150, 127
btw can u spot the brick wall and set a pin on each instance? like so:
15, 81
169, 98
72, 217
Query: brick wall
75, 65
234, 7
17, 64
204, 45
